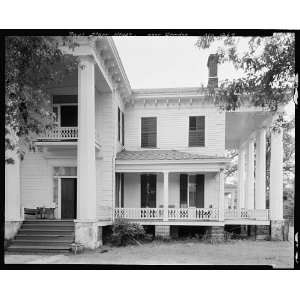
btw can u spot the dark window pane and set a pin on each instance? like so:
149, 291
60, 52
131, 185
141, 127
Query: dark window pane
197, 131
149, 132
68, 116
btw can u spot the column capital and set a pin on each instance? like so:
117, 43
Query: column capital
84, 59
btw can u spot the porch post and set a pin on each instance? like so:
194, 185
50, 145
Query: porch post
241, 178
260, 172
166, 194
249, 201
221, 195
276, 176
86, 230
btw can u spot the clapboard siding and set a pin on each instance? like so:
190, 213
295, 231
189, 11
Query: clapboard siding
173, 128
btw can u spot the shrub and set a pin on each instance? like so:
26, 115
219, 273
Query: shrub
124, 233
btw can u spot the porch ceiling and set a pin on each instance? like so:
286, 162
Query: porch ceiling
240, 125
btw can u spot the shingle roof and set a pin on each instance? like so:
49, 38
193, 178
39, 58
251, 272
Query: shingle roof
161, 155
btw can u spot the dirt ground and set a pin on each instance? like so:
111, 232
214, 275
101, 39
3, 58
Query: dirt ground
238, 252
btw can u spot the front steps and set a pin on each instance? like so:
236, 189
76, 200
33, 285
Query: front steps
44, 236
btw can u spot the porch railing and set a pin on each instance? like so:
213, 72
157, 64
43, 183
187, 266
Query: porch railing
139, 213
60, 133
173, 213
243, 213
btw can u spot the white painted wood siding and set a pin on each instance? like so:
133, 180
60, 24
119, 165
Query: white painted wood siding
173, 127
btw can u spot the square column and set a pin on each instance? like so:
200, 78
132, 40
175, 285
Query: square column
166, 195
276, 175
241, 178
260, 171
249, 198
86, 187
221, 195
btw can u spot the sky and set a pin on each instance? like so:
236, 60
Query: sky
166, 61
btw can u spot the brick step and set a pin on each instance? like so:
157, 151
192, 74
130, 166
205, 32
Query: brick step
47, 227
65, 242
48, 231
55, 237
37, 249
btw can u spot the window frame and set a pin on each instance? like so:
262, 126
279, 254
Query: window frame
141, 132
201, 130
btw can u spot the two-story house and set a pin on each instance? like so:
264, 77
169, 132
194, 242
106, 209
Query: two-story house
153, 156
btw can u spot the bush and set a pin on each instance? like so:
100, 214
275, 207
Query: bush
124, 233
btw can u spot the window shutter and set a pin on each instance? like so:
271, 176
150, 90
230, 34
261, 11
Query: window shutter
183, 190
200, 191
197, 131
119, 123
123, 129
122, 189
149, 132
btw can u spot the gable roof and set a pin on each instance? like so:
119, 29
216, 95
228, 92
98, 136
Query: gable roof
161, 155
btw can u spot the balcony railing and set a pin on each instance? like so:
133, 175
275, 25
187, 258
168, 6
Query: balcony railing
60, 133
253, 214
190, 214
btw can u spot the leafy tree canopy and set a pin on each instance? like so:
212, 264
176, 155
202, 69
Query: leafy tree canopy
268, 65
32, 63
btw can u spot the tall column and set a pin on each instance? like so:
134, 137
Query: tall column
260, 172
86, 194
166, 195
249, 200
276, 176
221, 195
241, 178
86, 229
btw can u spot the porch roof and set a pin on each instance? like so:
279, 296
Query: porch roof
162, 155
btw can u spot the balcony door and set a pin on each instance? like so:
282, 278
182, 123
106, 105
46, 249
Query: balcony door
148, 190
68, 116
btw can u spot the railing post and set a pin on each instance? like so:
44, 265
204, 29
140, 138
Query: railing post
166, 195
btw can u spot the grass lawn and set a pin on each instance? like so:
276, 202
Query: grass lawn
235, 252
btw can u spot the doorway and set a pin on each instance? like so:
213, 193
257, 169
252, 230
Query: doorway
68, 198
148, 190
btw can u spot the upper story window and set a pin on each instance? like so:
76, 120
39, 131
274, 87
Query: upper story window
65, 109
149, 132
197, 131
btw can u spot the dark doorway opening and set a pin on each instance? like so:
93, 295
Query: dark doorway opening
68, 198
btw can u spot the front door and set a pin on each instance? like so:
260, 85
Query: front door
68, 198
148, 190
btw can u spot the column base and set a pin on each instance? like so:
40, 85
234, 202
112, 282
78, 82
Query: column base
216, 233
262, 232
11, 229
88, 233
162, 231
277, 230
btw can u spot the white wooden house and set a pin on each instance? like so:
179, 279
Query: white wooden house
153, 156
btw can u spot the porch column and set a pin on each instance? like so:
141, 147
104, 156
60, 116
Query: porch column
241, 178
221, 195
86, 228
276, 176
260, 171
86, 190
166, 195
249, 200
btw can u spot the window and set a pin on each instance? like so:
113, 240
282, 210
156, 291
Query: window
119, 124
192, 191
197, 131
123, 129
148, 132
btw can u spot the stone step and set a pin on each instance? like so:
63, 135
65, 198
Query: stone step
37, 249
50, 222
47, 226
56, 237
66, 242
48, 231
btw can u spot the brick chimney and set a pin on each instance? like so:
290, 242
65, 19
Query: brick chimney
212, 64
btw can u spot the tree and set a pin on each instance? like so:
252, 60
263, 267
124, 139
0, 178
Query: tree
32, 63
268, 65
